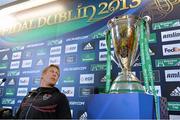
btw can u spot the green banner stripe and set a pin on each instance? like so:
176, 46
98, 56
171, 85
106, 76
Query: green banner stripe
46, 32
166, 24
174, 106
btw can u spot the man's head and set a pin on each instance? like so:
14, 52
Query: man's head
50, 76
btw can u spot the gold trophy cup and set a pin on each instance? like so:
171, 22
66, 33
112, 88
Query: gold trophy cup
125, 35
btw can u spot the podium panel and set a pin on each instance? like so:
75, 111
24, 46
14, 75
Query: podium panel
121, 106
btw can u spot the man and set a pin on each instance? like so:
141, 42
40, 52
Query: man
46, 101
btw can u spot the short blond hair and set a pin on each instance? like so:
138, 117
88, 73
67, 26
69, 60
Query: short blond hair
51, 65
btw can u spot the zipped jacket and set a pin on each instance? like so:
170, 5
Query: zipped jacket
47, 103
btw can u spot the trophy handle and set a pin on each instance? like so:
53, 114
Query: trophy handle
115, 61
108, 62
108, 47
146, 61
136, 59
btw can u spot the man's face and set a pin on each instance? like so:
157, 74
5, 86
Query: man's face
51, 76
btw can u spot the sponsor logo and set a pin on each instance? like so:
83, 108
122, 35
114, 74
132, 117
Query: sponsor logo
13, 73
28, 54
98, 35
156, 75
46, 96
2, 74
7, 107
74, 68
4, 50
167, 62
151, 51
137, 64
19, 101
170, 35
172, 75
86, 78
41, 52
39, 62
166, 24
26, 63
103, 79
70, 59
10, 91
5, 57
71, 48
134, 73
12, 81
54, 60
173, 106
35, 45
15, 64
88, 57
31, 72
54, 42
173, 49
22, 91
55, 50
33, 88
16, 55
98, 67
82, 114
103, 55
1, 82
71, 112
1, 91
36, 80
17, 48
8, 101
76, 103
175, 92
77, 38
174, 117
84, 92
68, 79
23, 80
102, 44
153, 38
4, 65
88, 45
68, 91
158, 90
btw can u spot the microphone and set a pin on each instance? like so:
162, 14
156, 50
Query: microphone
3, 80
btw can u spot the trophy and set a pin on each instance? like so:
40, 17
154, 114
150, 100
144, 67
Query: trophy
125, 33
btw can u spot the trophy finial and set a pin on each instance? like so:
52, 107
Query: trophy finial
147, 18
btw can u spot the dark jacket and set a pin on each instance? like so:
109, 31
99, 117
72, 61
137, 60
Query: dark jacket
44, 103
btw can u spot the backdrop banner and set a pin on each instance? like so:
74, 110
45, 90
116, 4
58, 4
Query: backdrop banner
74, 39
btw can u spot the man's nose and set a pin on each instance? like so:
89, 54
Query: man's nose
54, 74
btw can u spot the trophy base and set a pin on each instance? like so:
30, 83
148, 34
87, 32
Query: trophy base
126, 83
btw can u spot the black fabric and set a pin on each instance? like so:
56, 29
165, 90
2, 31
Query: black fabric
48, 103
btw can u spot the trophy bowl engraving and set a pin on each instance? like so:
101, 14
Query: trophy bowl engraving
125, 37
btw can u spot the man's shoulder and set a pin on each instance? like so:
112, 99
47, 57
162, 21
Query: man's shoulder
60, 94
